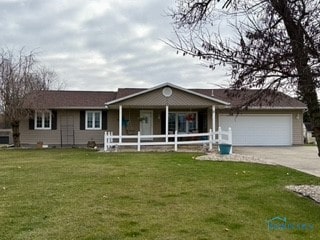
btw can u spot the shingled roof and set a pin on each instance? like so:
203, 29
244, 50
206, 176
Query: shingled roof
70, 99
97, 100
124, 92
268, 99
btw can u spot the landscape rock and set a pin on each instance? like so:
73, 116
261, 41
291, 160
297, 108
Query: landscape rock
311, 191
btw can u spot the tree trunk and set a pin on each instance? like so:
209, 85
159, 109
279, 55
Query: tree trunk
306, 83
16, 134
311, 99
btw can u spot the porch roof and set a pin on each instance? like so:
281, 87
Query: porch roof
125, 94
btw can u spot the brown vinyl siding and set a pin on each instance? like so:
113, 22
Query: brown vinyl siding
113, 121
297, 128
53, 137
31, 137
155, 98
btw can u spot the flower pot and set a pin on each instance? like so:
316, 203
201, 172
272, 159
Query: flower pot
225, 149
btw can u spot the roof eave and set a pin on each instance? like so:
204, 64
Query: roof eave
279, 108
77, 108
274, 108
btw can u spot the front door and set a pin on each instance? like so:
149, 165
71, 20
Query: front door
146, 122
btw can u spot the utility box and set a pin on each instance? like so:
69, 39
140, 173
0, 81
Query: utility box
6, 136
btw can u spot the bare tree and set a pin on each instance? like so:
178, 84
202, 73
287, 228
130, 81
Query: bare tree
272, 45
20, 75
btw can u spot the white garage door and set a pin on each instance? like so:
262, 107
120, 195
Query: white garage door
259, 130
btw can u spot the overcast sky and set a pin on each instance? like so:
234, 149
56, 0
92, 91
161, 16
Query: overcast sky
102, 44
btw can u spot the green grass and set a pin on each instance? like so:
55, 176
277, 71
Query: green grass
79, 194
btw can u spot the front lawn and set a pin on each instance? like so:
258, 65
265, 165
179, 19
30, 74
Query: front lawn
80, 194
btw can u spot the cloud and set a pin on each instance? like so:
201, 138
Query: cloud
101, 45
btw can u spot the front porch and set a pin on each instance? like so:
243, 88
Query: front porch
164, 115
158, 121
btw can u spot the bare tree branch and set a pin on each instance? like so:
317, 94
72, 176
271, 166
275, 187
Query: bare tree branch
274, 44
20, 75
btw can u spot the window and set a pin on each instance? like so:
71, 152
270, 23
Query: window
184, 122
93, 120
172, 122
43, 120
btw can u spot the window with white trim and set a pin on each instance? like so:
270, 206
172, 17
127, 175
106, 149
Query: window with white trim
184, 122
93, 120
43, 120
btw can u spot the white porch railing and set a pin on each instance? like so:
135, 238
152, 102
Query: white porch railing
220, 137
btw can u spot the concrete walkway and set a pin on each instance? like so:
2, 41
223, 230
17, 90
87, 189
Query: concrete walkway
302, 158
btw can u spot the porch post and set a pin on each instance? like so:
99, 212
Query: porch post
167, 123
120, 123
213, 118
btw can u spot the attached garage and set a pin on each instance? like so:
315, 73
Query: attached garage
259, 130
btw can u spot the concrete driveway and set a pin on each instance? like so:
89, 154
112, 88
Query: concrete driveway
302, 158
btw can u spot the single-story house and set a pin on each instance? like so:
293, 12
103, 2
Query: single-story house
65, 118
